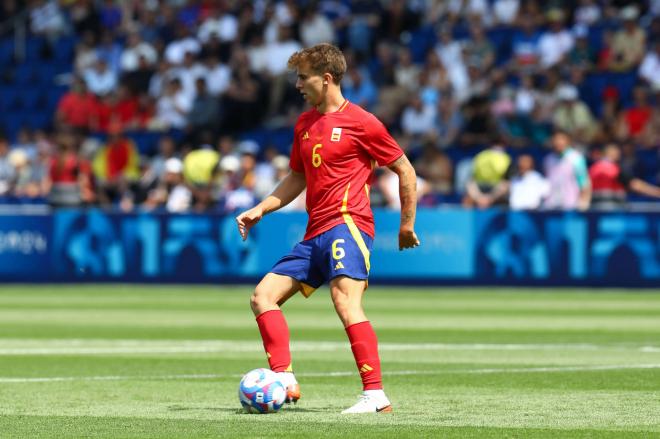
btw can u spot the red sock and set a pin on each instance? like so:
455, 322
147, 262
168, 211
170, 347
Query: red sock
275, 335
364, 345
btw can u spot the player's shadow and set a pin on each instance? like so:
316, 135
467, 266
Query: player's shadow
181, 408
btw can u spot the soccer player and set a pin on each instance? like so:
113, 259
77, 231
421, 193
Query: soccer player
336, 147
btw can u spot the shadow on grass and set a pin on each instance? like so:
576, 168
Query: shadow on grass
239, 411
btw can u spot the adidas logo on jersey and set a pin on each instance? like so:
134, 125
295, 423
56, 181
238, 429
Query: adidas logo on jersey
339, 265
305, 136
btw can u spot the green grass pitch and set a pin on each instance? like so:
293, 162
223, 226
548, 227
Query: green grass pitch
165, 361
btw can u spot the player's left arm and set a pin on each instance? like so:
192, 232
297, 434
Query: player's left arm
408, 196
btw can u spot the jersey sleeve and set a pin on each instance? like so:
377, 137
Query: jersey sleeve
581, 172
380, 144
295, 160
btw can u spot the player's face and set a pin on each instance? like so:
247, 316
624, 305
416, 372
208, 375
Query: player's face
310, 85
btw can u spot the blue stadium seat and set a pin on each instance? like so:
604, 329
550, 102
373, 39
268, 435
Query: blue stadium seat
9, 98
32, 98
64, 48
46, 73
24, 74
34, 48
54, 94
6, 51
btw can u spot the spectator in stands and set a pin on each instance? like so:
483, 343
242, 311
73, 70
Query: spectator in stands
99, 78
528, 187
7, 171
135, 49
171, 191
649, 70
557, 42
243, 104
27, 184
634, 122
184, 43
154, 168
85, 53
480, 124
388, 184
201, 169
587, 13
581, 55
70, 181
358, 88
479, 51
628, 43
505, 12
173, 106
205, 110
573, 116
525, 46
117, 170
46, 18
491, 171
220, 22
218, 76
417, 119
75, 107
436, 169
448, 122
315, 28
611, 182
567, 174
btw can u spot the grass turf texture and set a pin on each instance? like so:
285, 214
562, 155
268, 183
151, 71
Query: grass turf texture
151, 362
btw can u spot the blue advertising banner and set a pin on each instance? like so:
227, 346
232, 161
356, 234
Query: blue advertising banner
24, 246
458, 247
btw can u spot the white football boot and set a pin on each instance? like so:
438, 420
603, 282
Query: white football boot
291, 385
371, 401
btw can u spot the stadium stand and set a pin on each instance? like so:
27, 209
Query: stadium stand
541, 66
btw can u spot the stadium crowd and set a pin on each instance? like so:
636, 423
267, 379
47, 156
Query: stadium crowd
187, 105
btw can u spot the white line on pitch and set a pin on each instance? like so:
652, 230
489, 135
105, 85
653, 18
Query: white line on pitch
105, 347
333, 374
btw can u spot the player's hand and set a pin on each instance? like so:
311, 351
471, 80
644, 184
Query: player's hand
247, 219
408, 239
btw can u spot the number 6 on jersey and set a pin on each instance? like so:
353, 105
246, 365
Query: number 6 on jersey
316, 157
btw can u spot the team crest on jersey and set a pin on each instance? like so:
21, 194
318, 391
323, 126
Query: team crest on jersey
336, 135
306, 135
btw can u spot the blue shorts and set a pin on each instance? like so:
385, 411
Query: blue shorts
337, 252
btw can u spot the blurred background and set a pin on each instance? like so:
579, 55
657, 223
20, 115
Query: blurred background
132, 131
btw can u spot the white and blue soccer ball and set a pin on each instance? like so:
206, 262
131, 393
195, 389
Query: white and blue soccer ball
261, 391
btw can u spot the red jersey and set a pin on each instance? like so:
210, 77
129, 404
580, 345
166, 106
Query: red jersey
338, 153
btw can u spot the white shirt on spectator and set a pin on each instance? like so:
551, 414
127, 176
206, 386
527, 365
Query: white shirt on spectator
173, 110
418, 122
179, 199
506, 11
188, 77
554, 45
47, 19
317, 30
100, 82
218, 79
278, 55
528, 191
650, 68
130, 57
225, 27
176, 50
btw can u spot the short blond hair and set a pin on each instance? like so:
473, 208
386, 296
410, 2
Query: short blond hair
322, 58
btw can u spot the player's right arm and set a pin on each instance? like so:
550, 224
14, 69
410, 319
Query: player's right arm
288, 189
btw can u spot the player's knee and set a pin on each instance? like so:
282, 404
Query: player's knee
259, 301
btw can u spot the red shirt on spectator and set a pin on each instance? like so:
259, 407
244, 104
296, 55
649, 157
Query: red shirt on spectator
75, 109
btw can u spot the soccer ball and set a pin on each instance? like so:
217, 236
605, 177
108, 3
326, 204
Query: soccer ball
261, 391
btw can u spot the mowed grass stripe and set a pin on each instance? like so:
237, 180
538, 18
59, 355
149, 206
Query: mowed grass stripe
457, 363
